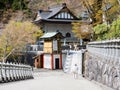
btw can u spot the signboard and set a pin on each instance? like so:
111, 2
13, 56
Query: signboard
55, 45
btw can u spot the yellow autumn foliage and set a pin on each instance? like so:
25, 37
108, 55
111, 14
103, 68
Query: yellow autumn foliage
96, 10
81, 31
17, 35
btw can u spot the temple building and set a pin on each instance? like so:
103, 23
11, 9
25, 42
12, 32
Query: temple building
58, 19
56, 23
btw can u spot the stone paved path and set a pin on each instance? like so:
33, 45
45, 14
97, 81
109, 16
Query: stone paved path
53, 80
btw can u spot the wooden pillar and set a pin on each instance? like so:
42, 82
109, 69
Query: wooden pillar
52, 63
38, 60
36, 63
61, 61
43, 60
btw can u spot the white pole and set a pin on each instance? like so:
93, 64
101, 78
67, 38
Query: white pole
81, 41
64, 41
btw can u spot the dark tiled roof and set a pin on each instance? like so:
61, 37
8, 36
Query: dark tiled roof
46, 15
66, 21
55, 11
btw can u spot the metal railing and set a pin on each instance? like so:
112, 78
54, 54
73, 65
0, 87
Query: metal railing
72, 47
35, 47
13, 72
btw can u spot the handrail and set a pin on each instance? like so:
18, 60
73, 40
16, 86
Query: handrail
13, 72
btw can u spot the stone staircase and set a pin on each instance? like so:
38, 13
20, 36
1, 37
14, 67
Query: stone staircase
73, 57
67, 66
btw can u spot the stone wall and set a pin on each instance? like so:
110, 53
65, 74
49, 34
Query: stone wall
102, 63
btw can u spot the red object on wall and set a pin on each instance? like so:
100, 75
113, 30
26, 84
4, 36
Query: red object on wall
43, 60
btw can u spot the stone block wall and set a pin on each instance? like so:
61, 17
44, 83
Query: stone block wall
102, 63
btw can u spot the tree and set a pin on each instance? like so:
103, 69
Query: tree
5, 4
96, 9
14, 4
15, 36
110, 9
19, 4
81, 31
101, 31
114, 29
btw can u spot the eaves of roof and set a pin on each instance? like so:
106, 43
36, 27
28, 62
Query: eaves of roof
48, 35
66, 20
46, 15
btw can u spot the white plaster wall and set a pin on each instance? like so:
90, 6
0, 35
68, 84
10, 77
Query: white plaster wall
63, 59
79, 56
77, 59
47, 61
63, 28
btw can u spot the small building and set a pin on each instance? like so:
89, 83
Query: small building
56, 23
52, 56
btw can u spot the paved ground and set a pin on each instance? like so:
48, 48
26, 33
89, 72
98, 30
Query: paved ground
53, 80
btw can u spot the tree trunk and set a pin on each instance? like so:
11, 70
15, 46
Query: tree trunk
94, 11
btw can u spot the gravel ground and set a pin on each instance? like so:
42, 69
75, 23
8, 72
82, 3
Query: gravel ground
53, 80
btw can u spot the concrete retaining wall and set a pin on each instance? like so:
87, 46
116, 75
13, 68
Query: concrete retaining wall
102, 62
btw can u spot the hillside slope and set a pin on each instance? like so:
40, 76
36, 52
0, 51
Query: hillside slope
21, 10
